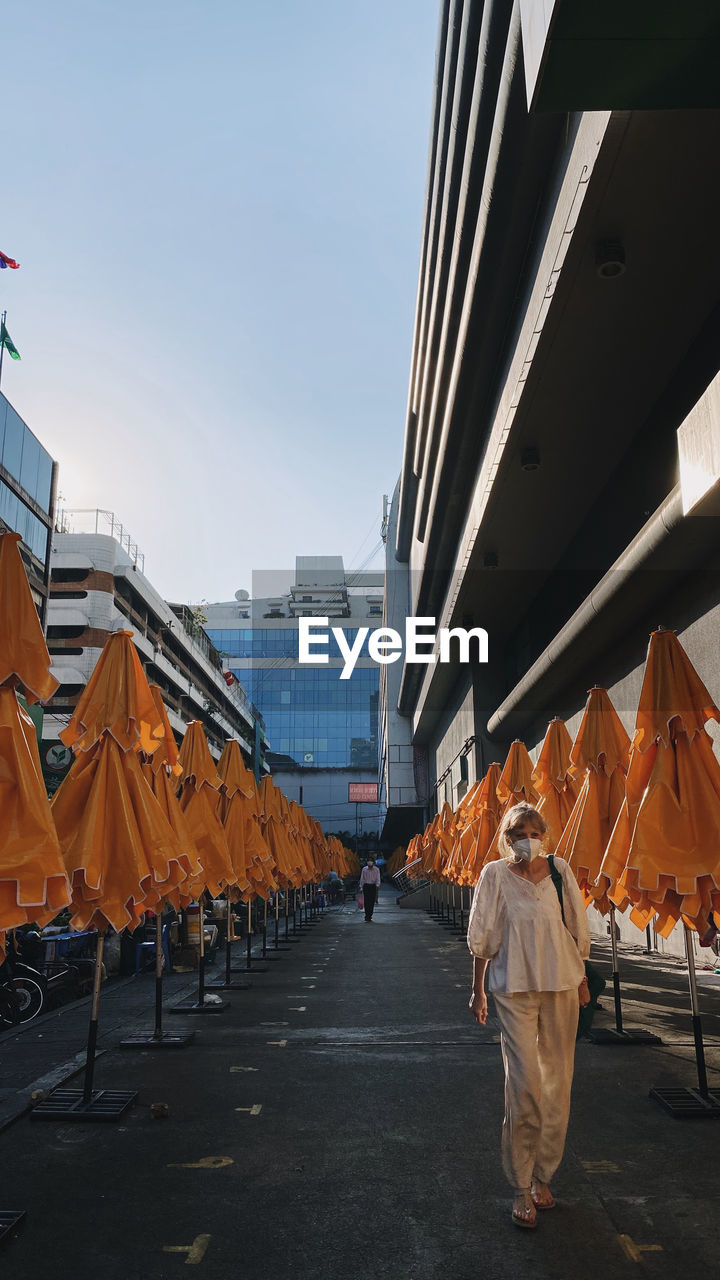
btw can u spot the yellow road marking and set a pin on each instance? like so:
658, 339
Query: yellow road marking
635, 1251
243, 1068
600, 1166
279, 1043
253, 1111
274, 1024
207, 1162
195, 1251
298, 1008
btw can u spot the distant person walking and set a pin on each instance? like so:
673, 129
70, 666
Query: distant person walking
370, 887
537, 979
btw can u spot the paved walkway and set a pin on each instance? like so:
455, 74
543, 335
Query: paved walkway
341, 1119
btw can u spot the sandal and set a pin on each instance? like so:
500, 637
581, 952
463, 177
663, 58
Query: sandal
523, 1213
541, 1195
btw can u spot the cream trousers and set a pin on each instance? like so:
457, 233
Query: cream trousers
538, 1047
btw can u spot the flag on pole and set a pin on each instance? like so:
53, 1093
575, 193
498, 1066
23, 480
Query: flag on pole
7, 262
7, 342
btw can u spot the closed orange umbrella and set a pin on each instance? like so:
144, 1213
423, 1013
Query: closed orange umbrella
24, 658
553, 780
33, 881
663, 857
162, 770
34, 885
274, 830
251, 857
479, 835
515, 786
464, 814
599, 758
200, 803
119, 849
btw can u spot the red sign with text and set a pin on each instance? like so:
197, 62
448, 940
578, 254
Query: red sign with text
362, 792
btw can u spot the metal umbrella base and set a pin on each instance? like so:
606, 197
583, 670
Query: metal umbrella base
608, 1035
69, 1104
688, 1104
193, 1007
229, 986
151, 1040
684, 1103
11, 1221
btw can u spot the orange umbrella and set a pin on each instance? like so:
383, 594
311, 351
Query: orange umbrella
251, 857
464, 814
395, 861
663, 858
553, 780
275, 833
515, 786
33, 881
120, 851
24, 658
200, 803
162, 770
599, 758
479, 834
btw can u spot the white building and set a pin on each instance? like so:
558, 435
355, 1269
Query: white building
97, 587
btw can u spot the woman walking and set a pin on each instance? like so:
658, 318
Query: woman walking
537, 979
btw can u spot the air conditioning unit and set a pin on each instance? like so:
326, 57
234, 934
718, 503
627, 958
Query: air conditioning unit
308, 758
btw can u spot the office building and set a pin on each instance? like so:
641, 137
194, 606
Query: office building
322, 729
27, 497
560, 484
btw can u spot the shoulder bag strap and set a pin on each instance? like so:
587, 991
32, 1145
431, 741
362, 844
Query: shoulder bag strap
557, 881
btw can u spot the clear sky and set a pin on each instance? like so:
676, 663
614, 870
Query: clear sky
217, 208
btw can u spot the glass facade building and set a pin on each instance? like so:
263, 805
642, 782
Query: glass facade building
26, 494
310, 713
314, 719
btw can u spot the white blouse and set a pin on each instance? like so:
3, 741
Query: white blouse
518, 927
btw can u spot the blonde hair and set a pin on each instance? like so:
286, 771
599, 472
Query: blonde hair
519, 813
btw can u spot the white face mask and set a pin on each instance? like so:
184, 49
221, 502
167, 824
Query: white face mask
527, 847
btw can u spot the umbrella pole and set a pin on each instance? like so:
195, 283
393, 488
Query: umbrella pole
201, 957
158, 975
264, 930
616, 974
228, 933
696, 1023
93, 1030
277, 920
